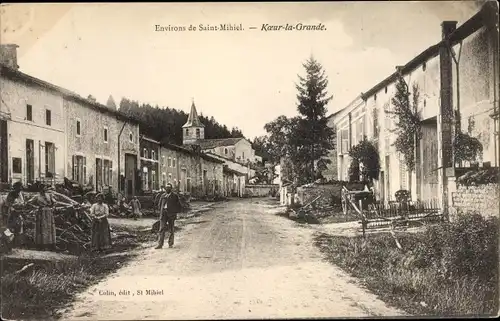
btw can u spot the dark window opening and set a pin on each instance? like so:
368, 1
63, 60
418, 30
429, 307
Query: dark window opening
78, 132
29, 112
16, 165
48, 117
105, 134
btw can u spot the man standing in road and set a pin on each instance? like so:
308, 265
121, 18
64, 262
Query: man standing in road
170, 205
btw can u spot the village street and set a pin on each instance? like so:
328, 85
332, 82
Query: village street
239, 260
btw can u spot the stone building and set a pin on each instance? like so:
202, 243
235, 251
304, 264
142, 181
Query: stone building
236, 152
32, 127
150, 164
49, 133
447, 84
102, 146
190, 171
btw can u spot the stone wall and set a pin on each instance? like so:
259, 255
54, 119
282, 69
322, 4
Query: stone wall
330, 193
260, 190
483, 199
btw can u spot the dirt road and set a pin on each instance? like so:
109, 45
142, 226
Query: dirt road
239, 260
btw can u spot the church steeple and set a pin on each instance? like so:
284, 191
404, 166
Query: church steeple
193, 129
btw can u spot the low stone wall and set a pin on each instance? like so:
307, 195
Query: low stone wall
261, 190
331, 193
481, 199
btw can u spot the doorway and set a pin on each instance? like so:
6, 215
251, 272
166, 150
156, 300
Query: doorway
4, 171
30, 161
130, 174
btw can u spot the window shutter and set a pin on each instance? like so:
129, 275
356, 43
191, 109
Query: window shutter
74, 167
84, 170
110, 173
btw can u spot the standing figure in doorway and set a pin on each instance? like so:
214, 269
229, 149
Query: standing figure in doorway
136, 208
170, 205
45, 227
101, 233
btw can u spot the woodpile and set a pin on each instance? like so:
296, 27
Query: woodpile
72, 220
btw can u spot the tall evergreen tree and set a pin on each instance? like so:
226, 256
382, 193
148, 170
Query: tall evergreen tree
316, 138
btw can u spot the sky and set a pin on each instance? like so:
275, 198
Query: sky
242, 78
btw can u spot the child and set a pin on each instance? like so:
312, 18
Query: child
136, 208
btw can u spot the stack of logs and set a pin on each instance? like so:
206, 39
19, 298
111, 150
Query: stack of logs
72, 220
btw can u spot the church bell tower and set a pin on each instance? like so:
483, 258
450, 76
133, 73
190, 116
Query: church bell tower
193, 130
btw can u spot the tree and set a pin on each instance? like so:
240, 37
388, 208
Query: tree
365, 161
316, 137
408, 128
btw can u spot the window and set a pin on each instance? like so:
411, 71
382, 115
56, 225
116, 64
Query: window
174, 163
153, 179
153, 155
243, 156
197, 133
29, 112
187, 131
107, 170
79, 169
50, 164
169, 177
144, 152
78, 128
424, 66
225, 151
344, 138
150, 151
375, 97
145, 178
169, 162
164, 179
131, 138
16, 165
48, 117
105, 135
385, 90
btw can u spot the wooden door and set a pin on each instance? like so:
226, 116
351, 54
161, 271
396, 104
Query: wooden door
130, 174
30, 161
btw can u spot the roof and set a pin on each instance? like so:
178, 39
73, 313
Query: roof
190, 152
212, 143
193, 119
67, 94
149, 139
475, 23
232, 171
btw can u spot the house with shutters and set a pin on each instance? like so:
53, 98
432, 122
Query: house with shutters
456, 76
49, 132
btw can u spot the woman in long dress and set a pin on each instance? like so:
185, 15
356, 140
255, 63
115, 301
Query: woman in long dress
101, 234
45, 227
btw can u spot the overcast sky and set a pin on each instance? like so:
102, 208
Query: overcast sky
242, 78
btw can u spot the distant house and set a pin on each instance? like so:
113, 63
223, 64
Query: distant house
150, 168
237, 153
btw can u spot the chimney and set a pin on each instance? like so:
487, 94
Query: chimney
445, 131
8, 55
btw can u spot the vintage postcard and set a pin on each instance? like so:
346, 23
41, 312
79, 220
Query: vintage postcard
254, 160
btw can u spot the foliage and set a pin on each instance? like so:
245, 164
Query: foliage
466, 147
316, 138
165, 124
264, 174
365, 161
408, 128
480, 177
447, 270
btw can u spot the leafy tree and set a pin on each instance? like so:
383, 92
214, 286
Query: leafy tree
408, 127
365, 161
316, 137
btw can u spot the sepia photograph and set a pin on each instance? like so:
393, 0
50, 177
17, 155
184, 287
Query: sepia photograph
250, 160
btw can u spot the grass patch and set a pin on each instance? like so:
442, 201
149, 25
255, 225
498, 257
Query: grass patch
448, 270
40, 292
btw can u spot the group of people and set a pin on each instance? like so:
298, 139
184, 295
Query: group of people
14, 204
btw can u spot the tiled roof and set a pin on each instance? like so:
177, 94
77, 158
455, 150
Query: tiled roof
193, 119
212, 143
